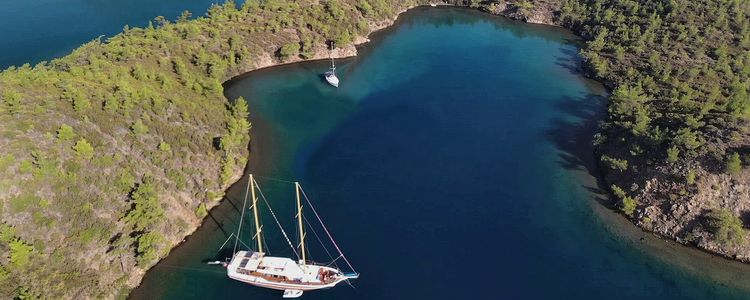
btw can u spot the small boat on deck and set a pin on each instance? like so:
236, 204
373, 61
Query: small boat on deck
281, 273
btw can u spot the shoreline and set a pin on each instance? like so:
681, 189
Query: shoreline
655, 245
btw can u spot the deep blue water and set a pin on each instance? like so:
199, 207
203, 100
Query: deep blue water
453, 163
37, 30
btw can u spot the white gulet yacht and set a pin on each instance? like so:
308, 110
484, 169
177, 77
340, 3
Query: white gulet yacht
282, 273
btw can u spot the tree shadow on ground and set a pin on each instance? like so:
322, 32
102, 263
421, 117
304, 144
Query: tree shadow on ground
573, 133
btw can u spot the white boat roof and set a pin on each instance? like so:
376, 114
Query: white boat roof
281, 266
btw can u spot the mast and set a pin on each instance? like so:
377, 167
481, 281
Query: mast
299, 221
330, 53
242, 215
255, 213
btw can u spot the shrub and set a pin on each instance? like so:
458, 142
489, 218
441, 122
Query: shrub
614, 163
690, 177
726, 228
83, 149
227, 170
7, 233
627, 204
125, 181
81, 104
12, 101
201, 211
673, 154
289, 50
148, 245
734, 164
65, 133
165, 147
20, 253
138, 128
688, 139
146, 209
342, 39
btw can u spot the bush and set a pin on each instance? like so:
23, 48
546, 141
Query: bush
227, 170
65, 133
138, 128
165, 147
673, 154
342, 39
690, 177
289, 50
614, 163
201, 211
688, 139
627, 204
148, 247
733, 164
726, 228
146, 209
83, 149
20, 253
12, 101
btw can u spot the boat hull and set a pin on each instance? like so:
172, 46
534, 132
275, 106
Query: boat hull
332, 79
259, 282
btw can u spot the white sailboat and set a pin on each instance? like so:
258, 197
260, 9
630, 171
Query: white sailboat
330, 75
281, 273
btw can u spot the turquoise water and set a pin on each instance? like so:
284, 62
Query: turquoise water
453, 163
37, 30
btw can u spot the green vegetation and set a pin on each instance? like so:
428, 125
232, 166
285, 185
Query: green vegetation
20, 253
154, 134
138, 128
614, 163
734, 164
165, 147
690, 177
201, 211
130, 134
627, 204
726, 227
673, 154
679, 69
288, 50
83, 149
65, 133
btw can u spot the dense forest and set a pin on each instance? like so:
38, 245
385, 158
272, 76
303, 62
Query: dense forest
675, 144
114, 153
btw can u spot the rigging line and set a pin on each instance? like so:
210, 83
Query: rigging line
273, 179
246, 246
242, 217
350, 284
225, 242
189, 268
318, 237
262, 196
333, 263
326, 229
